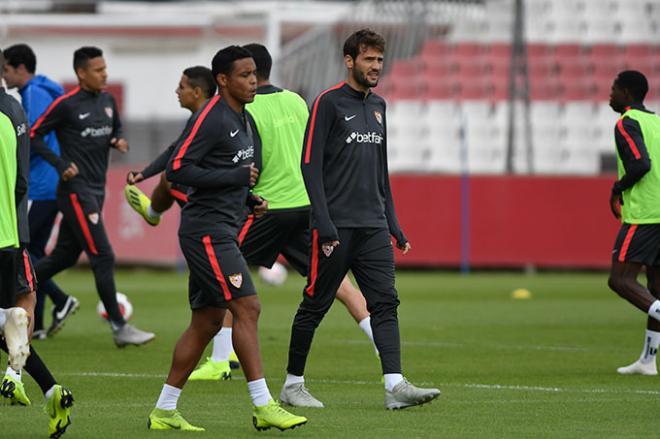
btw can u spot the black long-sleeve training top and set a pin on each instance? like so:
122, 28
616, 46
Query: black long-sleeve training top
212, 158
634, 156
344, 163
85, 122
13, 110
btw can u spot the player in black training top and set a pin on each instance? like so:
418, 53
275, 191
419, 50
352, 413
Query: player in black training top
216, 158
344, 164
87, 126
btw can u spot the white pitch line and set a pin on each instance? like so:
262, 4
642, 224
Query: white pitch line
443, 344
494, 387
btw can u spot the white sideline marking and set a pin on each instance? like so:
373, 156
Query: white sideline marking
444, 344
361, 383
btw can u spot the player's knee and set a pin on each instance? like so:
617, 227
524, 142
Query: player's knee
104, 259
619, 285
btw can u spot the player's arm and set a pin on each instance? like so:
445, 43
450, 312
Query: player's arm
390, 213
53, 118
184, 166
316, 136
159, 164
117, 140
634, 156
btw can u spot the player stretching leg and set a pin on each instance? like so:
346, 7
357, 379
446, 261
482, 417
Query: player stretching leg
344, 165
635, 201
216, 158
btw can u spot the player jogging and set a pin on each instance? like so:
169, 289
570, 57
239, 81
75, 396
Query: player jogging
216, 158
37, 93
87, 125
635, 200
280, 117
344, 165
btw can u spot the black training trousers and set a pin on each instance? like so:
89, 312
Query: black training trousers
368, 253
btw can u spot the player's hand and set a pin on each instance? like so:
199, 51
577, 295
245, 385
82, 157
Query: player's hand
254, 174
329, 247
120, 144
405, 247
134, 177
70, 172
260, 209
615, 205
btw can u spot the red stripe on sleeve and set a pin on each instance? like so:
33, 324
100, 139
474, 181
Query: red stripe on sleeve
245, 229
626, 242
83, 223
28, 270
631, 142
179, 195
182, 151
312, 123
50, 109
216, 266
314, 266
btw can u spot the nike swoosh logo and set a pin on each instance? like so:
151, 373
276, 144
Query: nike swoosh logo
347, 118
233, 133
61, 314
83, 116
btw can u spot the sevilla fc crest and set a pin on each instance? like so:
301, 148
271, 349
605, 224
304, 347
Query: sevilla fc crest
236, 279
108, 111
379, 117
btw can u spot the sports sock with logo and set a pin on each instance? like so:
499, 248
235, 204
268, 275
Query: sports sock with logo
654, 310
651, 342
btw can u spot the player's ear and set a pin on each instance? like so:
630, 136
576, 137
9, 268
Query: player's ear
221, 79
348, 60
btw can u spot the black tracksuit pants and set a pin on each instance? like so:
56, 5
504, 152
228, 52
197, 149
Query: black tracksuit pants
81, 230
368, 253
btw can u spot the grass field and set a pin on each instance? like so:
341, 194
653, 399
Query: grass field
536, 368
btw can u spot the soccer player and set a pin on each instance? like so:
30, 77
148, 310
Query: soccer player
17, 282
37, 93
216, 157
87, 126
196, 86
635, 200
344, 165
280, 117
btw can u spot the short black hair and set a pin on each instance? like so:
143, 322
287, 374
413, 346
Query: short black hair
362, 39
223, 61
21, 54
201, 77
82, 56
262, 59
635, 82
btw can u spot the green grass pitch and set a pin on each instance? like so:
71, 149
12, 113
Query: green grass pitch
539, 368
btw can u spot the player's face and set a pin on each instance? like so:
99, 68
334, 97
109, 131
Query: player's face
94, 75
186, 93
12, 76
367, 67
618, 98
241, 83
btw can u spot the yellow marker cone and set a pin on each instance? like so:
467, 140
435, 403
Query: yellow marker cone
521, 294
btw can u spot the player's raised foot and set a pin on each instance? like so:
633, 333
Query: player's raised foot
211, 371
272, 415
639, 368
14, 390
16, 337
130, 335
61, 314
58, 407
297, 395
233, 361
160, 419
405, 395
140, 203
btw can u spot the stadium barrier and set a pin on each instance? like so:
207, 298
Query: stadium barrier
505, 221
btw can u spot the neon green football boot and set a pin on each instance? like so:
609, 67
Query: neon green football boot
140, 203
272, 415
211, 371
14, 391
160, 419
58, 408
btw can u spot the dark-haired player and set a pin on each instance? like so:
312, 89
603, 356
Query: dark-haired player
87, 125
635, 200
344, 165
216, 157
